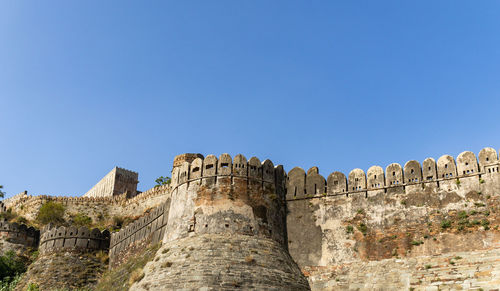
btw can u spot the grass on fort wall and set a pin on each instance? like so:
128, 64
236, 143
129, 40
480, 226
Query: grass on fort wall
122, 277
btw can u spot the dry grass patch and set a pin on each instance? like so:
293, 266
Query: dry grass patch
136, 276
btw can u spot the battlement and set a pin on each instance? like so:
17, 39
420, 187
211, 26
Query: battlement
413, 176
19, 233
211, 170
55, 239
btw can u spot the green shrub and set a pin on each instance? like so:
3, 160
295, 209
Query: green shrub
10, 266
445, 224
462, 214
120, 222
349, 229
8, 215
362, 228
51, 212
80, 219
417, 242
21, 220
485, 223
475, 222
8, 284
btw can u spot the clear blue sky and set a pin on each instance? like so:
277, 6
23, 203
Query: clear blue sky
89, 85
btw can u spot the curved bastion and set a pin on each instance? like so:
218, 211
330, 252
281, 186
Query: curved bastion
19, 234
226, 229
70, 259
54, 239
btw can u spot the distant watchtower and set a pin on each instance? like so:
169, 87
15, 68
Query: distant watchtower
116, 182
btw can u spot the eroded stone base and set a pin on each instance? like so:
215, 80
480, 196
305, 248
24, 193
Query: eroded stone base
479, 270
222, 262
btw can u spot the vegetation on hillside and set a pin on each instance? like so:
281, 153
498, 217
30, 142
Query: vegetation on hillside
122, 277
80, 219
12, 216
51, 212
13, 266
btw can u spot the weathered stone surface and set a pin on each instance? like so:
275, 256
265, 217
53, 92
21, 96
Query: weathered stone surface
475, 270
116, 182
227, 232
222, 262
419, 212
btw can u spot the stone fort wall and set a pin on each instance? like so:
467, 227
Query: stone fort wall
431, 225
446, 173
226, 229
143, 232
391, 217
19, 234
55, 239
116, 182
212, 183
120, 205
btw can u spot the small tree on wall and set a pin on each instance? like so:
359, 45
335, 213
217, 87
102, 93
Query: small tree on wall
162, 181
2, 194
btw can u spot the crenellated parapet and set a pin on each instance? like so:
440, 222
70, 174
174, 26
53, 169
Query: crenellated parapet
146, 195
226, 195
445, 173
224, 170
25, 198
19, 233
55, 239
150, 228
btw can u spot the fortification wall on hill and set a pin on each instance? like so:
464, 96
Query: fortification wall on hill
19, 234
224, 214
419, 210
145, 231
119, 205
55, 239
467, 171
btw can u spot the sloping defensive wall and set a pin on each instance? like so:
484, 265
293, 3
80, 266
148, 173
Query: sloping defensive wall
145, 231
29, 205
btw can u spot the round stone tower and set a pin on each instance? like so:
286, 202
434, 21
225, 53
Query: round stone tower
226, 229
